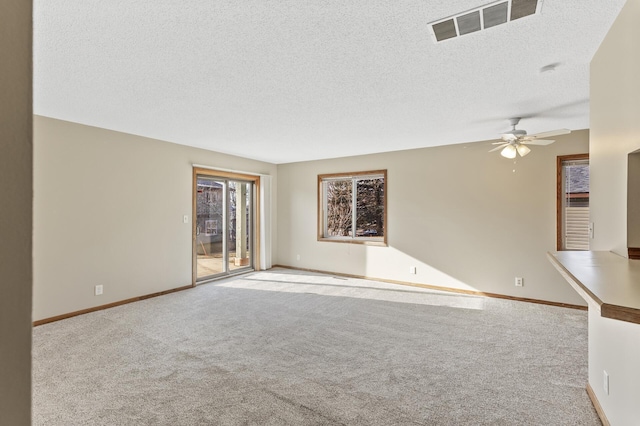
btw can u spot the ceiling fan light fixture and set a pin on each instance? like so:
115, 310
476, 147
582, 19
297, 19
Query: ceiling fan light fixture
515, 141
509, 151
523, 150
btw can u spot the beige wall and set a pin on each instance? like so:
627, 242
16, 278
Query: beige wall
615, 127
614, 347
457, 213
15, 220
615, 132
108, 209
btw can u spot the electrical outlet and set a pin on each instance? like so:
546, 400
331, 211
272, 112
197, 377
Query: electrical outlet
98, 290
605, 382
298, 257
519, 281
412, 269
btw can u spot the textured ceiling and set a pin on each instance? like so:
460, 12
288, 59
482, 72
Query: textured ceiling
293, 80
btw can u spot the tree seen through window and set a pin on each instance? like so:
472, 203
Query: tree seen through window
358, 199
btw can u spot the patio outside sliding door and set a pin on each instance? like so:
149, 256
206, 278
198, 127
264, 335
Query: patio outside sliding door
223, 226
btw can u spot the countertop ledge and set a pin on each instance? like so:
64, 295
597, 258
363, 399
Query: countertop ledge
603, 278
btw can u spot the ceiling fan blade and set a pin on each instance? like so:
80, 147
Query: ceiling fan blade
550, 133
499, 143
499, 147
537, 142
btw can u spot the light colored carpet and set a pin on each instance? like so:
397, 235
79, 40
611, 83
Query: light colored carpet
285, 347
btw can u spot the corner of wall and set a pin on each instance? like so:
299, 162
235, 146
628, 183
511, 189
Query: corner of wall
615, 129
15, 222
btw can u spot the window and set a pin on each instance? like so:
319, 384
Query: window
211, 227
352, 207
573, 227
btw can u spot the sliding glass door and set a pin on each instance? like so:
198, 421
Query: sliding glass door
223, 225
210, 225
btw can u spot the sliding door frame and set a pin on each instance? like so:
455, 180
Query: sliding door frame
255, 214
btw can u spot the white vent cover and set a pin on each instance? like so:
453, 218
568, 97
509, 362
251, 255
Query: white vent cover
484, 17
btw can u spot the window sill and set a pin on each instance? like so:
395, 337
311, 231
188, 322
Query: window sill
366, 242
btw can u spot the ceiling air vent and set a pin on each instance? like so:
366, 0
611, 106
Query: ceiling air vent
484, 17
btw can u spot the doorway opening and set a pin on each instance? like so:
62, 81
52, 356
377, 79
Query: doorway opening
224, 225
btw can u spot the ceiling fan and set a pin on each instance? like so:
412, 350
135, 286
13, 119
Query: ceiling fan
515, 141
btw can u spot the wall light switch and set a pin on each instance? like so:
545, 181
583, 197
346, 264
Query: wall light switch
590, 229
185, 218
412, 269
606, 382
